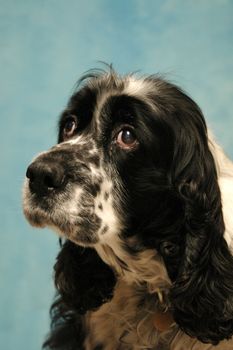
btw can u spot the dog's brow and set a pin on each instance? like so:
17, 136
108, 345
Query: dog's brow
121, 108
125, 117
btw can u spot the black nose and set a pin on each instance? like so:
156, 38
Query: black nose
45, 176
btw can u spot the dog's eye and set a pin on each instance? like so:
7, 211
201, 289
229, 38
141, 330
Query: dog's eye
126, 139
69, 127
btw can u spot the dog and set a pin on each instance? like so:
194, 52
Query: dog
142, 198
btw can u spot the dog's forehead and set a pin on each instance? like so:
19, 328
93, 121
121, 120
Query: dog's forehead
137, 87
113, 85
128, 86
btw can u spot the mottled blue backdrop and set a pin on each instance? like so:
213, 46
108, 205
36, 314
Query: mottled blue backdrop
44, 47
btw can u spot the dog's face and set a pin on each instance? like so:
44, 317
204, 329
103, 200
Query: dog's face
95, 184
133, 160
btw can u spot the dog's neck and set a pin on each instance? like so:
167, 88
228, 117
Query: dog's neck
144, 267
142, 276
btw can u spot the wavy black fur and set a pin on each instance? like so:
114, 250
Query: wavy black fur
173, 205
84, 282
187, 214
202, 294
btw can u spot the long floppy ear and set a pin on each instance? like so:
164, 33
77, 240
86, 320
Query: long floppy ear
84, 282
202, 295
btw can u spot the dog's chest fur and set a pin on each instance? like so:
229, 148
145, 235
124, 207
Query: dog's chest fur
126, 322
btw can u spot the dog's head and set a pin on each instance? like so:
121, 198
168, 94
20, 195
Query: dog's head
133, 160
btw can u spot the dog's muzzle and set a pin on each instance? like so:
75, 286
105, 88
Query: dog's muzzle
67, 189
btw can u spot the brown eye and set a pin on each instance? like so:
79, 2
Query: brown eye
126, 139
69, 127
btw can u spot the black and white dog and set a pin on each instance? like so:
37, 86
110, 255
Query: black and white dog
143, 196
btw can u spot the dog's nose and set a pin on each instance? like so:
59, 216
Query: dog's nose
44, 176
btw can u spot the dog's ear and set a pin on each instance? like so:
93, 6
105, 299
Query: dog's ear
202, 295
83, 280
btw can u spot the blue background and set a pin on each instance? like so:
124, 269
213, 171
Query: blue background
44, 47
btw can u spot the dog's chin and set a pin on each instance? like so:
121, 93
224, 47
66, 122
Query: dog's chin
35, 217
39, 218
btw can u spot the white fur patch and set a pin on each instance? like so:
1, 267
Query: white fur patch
135, 87
79, 139
104, 208
225, 178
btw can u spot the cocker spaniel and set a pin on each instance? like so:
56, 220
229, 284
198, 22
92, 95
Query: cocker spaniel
142, 197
